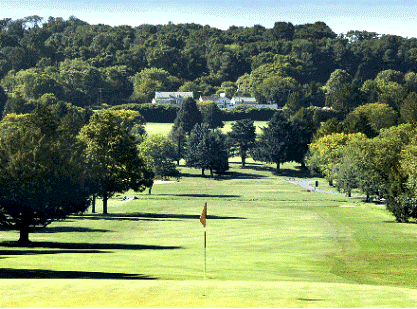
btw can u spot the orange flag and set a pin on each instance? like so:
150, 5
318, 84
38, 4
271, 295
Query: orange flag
203, 216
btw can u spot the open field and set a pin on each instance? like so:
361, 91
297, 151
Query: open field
271, 243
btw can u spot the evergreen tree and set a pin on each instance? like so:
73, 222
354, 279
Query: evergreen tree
276, 142
188, 116
211, 114
242, 137
207, 149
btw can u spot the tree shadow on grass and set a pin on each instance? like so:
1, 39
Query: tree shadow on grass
87, 246
8, 253
150, 216
202, 195
298, 172
11, 273
66, 229
228, 175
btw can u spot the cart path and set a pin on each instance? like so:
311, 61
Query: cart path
310, 185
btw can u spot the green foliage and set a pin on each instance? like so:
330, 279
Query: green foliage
242, 138
207, 149
403, 207
304, 129
149, 80
158, 154
408, 109
377, 115
244, 111
112, 155
179, 137
277, 141
339, 92
188, 115
211, 113
161, 113
325, 153
43, 177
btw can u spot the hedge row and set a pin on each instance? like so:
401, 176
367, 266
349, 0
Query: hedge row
167, 113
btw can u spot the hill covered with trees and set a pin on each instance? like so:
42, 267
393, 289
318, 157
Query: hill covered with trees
293, 65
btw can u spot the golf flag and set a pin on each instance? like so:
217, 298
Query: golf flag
203, 216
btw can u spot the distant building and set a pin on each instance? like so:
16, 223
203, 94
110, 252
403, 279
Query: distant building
243, 100
175, 98
250, 101
222, 101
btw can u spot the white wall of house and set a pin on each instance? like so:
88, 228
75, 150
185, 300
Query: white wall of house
175, 98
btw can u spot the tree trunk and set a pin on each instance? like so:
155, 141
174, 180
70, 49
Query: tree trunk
105, 202
150, 188
243, 160
278, 166
24, 233
179, 152
202, 172
93, 204
211, 172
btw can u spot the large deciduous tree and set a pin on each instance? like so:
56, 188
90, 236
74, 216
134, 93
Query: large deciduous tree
43, 177
339, 90
112, 155
326, 153
159, 152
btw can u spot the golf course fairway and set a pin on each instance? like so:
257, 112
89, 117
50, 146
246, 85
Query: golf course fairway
270, 243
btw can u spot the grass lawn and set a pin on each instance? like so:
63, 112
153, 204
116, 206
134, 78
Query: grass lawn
165, 128
270, 243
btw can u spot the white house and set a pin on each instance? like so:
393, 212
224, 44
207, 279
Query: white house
222, 101
243, 100
250, 101
176, 98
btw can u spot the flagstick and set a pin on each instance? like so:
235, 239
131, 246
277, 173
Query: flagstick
205, 261
203, 221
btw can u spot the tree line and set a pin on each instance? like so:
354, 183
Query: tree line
294, 65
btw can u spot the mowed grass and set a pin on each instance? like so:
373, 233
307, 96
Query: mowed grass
270, 243
165, 128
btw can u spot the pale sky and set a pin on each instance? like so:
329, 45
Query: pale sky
382, 16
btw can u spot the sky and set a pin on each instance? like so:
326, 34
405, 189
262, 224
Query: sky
398, 17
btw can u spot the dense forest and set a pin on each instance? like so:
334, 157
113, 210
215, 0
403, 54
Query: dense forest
294, 65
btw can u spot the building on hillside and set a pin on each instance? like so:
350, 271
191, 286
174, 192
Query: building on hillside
250, 101
222, 101
174, 98
243, 100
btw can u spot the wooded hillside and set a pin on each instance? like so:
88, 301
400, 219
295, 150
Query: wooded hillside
298, 65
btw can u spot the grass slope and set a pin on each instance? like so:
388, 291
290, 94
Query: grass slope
271, 243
